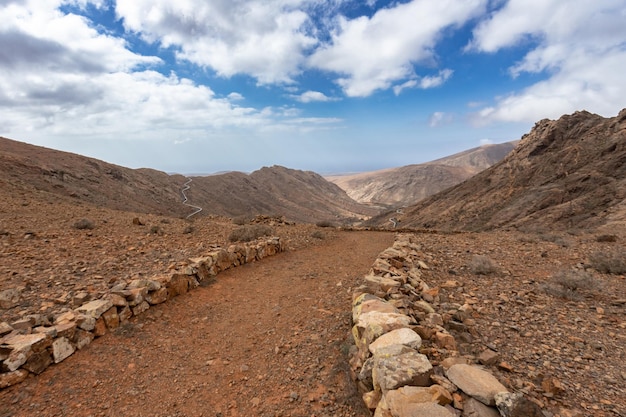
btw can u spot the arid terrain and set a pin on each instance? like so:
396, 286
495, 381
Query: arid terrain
271, 338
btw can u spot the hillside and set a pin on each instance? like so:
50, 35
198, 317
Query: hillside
298, 195
398, 187
568, 173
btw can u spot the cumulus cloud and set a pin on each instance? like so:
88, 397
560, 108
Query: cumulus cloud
375, 53
577, 45
424, 82
312, 96
266, 39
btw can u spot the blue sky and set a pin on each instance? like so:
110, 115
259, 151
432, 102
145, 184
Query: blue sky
331, 86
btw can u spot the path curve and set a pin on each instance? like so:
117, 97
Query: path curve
187, 186
265, 339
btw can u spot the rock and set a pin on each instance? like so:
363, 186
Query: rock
11, 378
135, 296
409, 368
397, 400
440, 395
178, 284
444, 382
474, 408
65, 329
476, 382
370, 326
100, 328
551, 385
85, 322
516, 405
95, 308
371, 399
5, 328
366, 303
488, 357
117, 300
140, 308
61, 349
21, 348
10, 298
425, 410
111, 319
24, 324
125, 313
376, 284
157, 297
38, 362
423, 306
82, 338
445, 341
404, 336
144, 283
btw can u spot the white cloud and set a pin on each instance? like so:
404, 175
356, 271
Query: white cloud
374, 53
484, 142
312, 96
424, 82
266, 39
579, 45
439, 118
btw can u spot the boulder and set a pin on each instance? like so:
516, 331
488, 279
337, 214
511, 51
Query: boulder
409, 368
403, 336
476, 382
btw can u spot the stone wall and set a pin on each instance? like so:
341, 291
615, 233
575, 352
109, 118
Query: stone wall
405, 359
32, 344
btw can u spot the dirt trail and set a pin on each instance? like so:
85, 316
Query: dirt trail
264, 339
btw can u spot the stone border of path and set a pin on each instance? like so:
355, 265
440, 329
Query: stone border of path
405, 361
30, 345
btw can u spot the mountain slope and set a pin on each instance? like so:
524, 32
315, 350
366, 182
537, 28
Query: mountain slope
298, 195
397, 187
565, 174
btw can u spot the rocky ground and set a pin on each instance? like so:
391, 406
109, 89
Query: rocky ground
269, 338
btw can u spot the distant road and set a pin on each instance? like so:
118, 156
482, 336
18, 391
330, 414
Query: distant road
186, 186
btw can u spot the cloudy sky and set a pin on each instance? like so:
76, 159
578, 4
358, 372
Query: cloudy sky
201, 86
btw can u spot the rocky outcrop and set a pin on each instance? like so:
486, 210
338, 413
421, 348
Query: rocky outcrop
33, 343
405, 359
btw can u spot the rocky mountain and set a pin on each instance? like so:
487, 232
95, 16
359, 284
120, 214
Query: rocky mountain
565, 174
297, 195
398, 187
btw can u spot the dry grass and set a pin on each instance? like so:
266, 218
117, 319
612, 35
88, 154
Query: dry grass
483, 265
84, 224
611, 261
318, 234
325, 223
570, 284
250, 232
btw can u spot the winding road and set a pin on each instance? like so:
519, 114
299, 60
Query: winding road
186, 187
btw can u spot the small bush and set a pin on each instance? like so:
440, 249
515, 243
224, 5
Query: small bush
241, 220
482, 265
188, 229
250, 232
556, 239
325, 223
569, 284
609, 262
84, 224
156, 230
606, 238
318, 234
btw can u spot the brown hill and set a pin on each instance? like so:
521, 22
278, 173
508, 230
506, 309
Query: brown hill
398, 187
298, 195
301, 196
565, 174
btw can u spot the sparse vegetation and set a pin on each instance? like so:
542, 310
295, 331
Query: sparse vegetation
318, 234
556, 239
156, 230
324, 223
84, 224
250, 232
188, 229
483, 265
609, 261
241, 220
569, 284
606, 238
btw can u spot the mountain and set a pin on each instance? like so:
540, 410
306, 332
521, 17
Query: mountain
565, 174
398, 187
298, 195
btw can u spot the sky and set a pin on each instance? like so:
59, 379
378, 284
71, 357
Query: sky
332, 86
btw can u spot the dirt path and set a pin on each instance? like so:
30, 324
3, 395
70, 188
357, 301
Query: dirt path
265, 339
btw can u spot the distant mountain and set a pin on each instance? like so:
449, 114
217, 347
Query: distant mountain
398, 187
298, 195
568, 173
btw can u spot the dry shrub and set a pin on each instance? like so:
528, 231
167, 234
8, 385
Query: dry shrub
188, 229
250, 232
84, 224
482, 265
556, 239
324, 223
569, 284
609, 261
318, 234
606, 238
241, 220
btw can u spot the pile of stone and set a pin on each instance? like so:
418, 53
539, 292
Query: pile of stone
405, 360
33, 343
